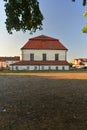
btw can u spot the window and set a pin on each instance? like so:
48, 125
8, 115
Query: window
56, 57
35, 68
63, 68
56, 67
27, 67
44, 57
42, 67
16, 67
49, 67
31, 56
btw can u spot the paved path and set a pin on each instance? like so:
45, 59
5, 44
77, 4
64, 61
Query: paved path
59, 75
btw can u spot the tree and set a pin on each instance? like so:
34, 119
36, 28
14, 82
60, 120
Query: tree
23, 15
84, 29
84, 2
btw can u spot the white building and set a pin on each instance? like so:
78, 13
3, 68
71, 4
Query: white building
42, 53
80, 63
6, 61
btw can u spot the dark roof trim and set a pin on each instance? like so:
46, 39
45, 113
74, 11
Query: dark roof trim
41, 63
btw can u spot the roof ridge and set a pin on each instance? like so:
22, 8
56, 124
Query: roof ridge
43, 37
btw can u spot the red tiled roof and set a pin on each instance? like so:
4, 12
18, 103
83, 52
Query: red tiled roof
15, 58
44, 42
41, 63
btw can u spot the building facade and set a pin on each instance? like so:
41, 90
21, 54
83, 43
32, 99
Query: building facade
80, 63
42, 53
6, 61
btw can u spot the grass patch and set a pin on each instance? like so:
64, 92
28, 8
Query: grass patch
72, 70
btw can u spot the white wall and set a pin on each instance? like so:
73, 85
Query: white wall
38, 54
3, 64
41, 67
10, 62
6, 63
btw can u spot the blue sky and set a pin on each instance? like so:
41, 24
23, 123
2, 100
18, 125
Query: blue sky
63, 20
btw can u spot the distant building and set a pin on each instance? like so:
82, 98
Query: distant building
80, 62
42, 53
6, 61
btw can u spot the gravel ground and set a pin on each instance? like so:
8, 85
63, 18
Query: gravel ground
43, 102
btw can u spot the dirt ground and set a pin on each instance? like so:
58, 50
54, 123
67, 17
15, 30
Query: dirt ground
43, 101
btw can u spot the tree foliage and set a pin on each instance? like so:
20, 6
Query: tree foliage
84, 2
26, 15
23, 15
84, 29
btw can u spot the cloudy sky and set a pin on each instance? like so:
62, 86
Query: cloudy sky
63, 20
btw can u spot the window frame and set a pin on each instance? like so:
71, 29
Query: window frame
56, 57
31, 56
44, 56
